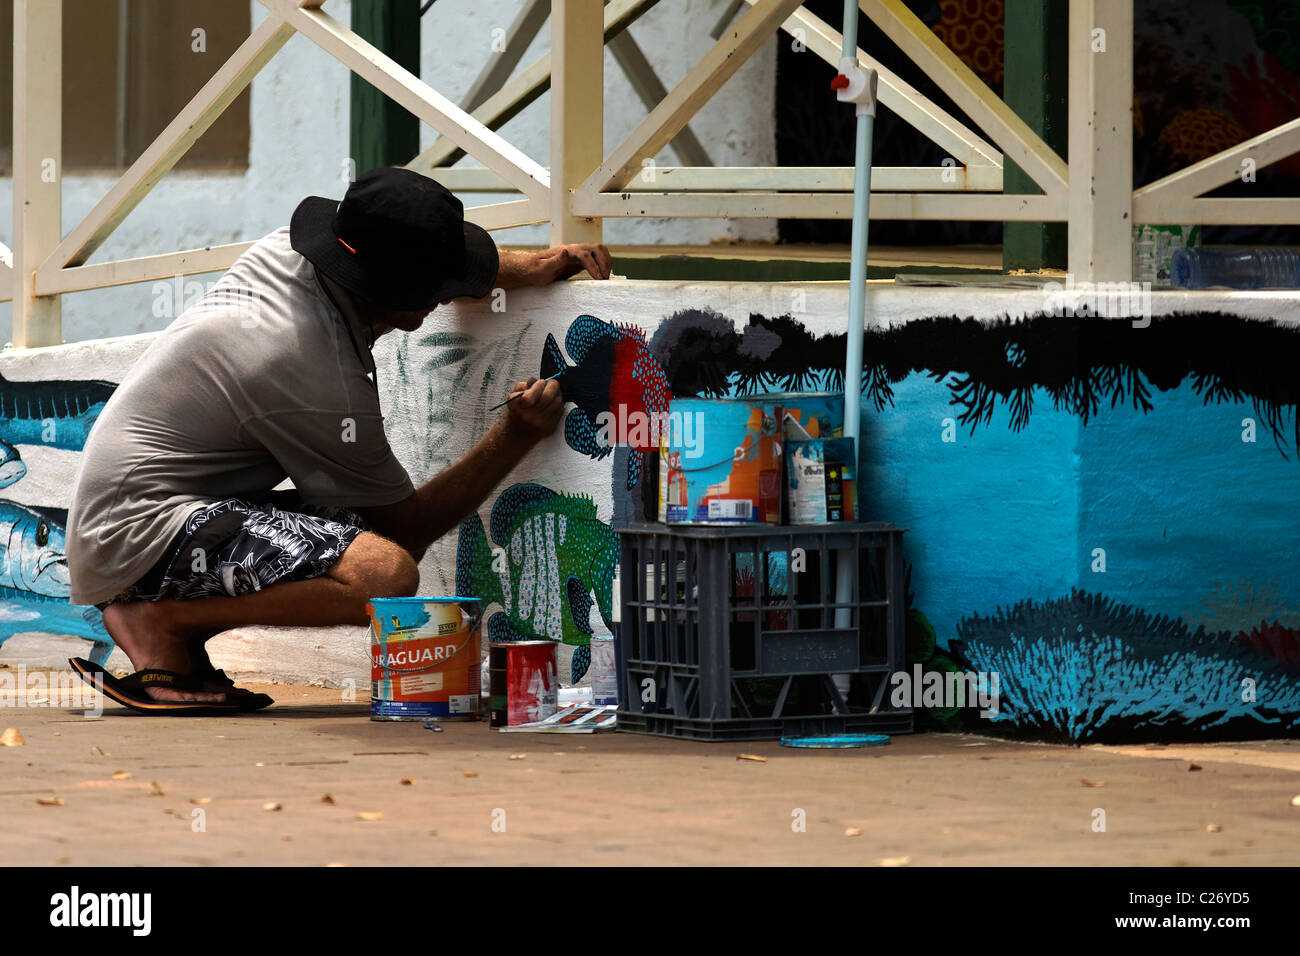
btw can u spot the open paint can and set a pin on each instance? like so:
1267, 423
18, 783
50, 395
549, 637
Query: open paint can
425, 658
525, 682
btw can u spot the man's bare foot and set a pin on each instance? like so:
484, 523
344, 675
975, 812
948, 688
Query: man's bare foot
146, 636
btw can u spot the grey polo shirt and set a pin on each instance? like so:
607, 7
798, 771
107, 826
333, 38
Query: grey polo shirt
257, 382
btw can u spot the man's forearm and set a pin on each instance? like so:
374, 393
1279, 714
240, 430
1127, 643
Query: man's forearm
444, 500
516, 270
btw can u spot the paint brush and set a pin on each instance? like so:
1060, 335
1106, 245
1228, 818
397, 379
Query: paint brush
513, 397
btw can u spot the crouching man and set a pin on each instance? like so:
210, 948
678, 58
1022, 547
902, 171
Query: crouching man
175, 532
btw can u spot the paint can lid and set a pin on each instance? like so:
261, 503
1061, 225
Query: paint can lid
837, 742
454, 599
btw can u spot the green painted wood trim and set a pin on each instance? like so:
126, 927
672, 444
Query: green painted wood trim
1036, 86
713, 269
381, 133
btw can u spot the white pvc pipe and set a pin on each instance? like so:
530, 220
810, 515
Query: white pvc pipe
856, 318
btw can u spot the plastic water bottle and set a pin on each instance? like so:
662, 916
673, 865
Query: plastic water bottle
1276, 267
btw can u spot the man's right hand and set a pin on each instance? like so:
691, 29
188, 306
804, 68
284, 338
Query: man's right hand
536, 411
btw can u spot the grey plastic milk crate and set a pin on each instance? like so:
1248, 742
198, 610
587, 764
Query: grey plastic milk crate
734, 632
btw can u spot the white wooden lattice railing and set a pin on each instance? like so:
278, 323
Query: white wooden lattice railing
1093, 193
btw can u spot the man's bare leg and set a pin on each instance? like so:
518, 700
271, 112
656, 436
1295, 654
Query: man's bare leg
160, 634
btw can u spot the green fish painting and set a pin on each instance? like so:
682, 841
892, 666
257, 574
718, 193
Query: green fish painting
552, 554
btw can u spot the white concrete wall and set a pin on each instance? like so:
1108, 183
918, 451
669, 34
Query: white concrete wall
299, 145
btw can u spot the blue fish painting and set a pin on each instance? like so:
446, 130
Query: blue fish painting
553, 554
56, 414
34, 585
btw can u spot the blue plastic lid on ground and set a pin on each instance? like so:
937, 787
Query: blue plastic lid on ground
838, 742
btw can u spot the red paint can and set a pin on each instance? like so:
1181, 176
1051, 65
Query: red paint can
524, 683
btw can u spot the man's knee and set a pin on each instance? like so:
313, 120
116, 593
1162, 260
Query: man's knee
382, 568
405, 574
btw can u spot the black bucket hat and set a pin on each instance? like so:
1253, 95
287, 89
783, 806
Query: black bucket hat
398, 239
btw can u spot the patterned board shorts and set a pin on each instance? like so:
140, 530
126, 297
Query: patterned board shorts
232, 547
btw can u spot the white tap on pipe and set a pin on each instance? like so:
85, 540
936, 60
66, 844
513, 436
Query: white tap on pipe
858, 87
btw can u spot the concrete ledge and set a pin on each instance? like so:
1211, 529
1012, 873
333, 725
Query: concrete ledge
1136, 505
320, 656
53, 650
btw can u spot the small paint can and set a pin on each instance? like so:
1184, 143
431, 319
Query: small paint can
525, 685
820, 481
604, 672
424, 658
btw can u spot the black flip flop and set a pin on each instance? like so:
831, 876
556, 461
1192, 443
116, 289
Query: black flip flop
244, 698
130, 691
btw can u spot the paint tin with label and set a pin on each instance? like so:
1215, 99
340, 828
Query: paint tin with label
720, 462
424, 658
820, 481
604, 671
525, 685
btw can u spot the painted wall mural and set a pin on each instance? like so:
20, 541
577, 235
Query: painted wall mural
1086, 668
1102, 514
34, 584
1027, 396
615, 375
1077, 363
56, 414
552, 555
